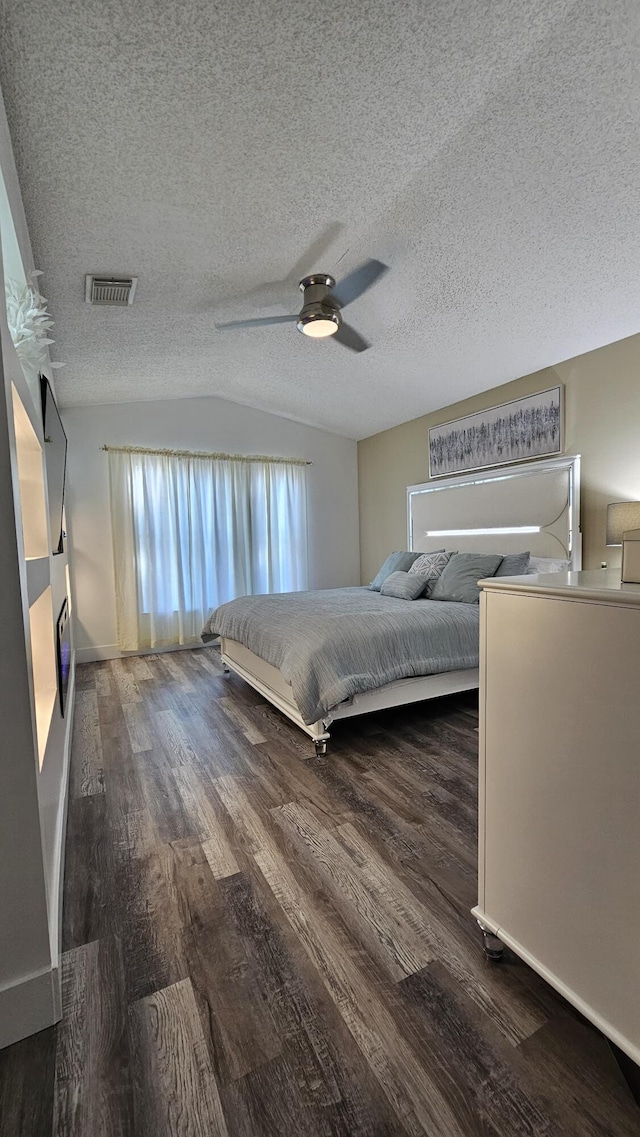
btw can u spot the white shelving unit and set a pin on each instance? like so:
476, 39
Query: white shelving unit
31, 482
36, 738
36, 543
43, 667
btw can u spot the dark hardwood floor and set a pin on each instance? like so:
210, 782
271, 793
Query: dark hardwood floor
260, 942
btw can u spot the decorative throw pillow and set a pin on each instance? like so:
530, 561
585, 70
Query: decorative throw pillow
395, 562
514, 564
547, 564
404, 585
460, 576
430, 565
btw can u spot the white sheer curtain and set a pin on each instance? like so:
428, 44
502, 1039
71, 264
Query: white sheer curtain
191, 532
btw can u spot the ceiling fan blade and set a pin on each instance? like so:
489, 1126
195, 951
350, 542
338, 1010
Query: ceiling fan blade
276, 292
266, 295
260, 322
349, 337
310, 260
358, 282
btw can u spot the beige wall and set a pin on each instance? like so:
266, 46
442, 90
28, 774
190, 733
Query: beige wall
602, 423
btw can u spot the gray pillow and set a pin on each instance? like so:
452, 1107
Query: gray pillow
514, 564
459, 579
404, 585
430, 565
395, 562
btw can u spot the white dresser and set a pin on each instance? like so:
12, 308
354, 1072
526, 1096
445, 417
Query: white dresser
559, 872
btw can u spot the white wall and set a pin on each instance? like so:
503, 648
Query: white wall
196, 424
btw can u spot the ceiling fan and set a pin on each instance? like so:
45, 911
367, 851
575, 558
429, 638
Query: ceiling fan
321, 312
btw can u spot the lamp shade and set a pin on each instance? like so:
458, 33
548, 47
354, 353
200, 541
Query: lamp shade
621, 515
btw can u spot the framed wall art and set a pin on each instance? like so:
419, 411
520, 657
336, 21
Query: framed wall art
530, 427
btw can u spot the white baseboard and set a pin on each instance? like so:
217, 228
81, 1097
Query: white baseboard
29, 1004
95, 654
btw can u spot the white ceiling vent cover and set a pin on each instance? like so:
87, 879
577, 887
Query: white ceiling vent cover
117, 291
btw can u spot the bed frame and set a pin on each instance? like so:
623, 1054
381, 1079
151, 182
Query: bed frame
484, 511
268, 680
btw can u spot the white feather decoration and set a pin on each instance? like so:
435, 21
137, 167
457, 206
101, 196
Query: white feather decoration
29, 323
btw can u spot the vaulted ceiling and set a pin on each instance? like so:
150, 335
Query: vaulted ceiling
487, 151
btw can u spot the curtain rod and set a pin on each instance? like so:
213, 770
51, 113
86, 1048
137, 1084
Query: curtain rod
204, 454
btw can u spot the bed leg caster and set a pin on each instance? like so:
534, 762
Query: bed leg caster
321, 747
492, 946
226, 670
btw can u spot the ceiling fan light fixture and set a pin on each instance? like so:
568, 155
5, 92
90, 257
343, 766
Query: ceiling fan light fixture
318, 325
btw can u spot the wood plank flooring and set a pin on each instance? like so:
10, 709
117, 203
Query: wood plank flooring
259, 942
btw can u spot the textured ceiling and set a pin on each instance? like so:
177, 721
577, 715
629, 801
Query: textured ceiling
487, 150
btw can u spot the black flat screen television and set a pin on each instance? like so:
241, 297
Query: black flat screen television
55, 457
63, 652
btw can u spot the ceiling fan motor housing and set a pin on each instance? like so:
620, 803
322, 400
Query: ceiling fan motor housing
318, 303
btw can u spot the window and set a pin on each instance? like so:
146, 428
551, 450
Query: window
193, 531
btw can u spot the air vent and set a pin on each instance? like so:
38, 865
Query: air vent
117, 291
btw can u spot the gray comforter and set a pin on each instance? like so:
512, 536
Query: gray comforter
337, 642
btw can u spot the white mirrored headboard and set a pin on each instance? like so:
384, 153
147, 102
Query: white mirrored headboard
533, 506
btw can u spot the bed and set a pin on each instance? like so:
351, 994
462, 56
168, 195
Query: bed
327, 655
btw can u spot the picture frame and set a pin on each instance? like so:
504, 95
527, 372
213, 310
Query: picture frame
525, 428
